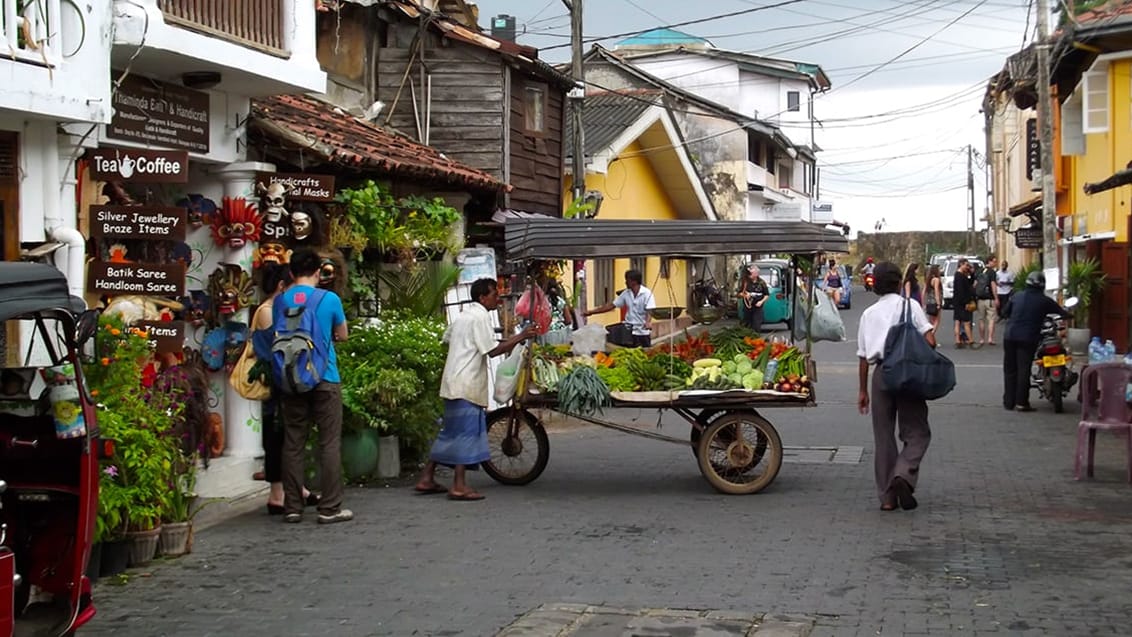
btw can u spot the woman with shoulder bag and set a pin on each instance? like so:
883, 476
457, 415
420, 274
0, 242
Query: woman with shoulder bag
896, 470
932, 295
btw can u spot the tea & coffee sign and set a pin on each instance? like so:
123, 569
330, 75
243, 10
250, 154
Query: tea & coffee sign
152, 112
139, 165
146, 279
138, 222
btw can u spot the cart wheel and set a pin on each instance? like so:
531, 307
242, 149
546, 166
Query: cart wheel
520, 458
740, 453
705, 418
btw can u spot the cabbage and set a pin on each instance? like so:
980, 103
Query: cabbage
745, 367
739, 358
753, 380
729, 368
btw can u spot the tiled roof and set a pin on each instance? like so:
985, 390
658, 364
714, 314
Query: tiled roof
1109, 11
605, 116
340, 138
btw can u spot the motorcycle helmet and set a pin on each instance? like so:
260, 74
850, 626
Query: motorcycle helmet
1036, 280
869, 260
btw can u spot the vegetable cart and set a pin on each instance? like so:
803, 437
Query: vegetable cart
737, 448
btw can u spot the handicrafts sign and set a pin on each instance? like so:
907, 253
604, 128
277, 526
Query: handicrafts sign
146, 279
301, 186
138, 222
152, 112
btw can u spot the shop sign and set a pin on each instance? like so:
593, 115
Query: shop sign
303, 187
135, 165
1028, 237
166, 336
151, 112
147, 279
153, 223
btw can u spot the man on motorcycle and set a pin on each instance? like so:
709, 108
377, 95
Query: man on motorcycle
867, 273
1026, 310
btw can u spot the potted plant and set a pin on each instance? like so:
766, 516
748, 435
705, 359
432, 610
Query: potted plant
349, 237
401, 229
177, 521
113, 554
1083, 280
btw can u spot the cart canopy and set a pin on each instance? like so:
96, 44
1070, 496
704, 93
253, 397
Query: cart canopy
551, 238
26, 288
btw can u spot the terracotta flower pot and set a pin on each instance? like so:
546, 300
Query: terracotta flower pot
176, 538
143, 545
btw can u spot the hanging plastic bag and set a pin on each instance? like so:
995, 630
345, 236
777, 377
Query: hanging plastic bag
534, 306
507, 375
826, 323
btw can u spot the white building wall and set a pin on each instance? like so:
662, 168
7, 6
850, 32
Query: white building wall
711, 79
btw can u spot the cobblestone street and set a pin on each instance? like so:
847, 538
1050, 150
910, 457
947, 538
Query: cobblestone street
1004, 541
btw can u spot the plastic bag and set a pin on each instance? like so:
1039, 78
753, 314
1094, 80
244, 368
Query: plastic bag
827, 324
913, 367
534, 306
507, 375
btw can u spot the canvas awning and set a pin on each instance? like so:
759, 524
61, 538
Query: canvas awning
574, 239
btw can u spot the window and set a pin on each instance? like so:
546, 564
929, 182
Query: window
534, 109
603, 281
754, 149
793, 101
1096, 101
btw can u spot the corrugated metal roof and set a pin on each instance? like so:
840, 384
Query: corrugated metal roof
574, 239
604, 117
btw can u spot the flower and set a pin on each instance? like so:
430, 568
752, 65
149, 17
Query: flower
111, 471
94, 392
105, 361
115, 331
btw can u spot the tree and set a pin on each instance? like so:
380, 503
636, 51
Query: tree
1077, 7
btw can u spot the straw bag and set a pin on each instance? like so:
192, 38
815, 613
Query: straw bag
241, 379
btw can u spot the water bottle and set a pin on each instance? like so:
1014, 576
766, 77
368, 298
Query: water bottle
1095, 350
771, 370
1109, 351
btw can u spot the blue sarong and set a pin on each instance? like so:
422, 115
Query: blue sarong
463, 440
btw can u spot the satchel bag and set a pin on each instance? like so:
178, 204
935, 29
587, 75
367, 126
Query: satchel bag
932, 308
971, 306
241, 379
911, 366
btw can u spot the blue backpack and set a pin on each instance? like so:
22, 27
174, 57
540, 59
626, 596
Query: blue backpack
299, 356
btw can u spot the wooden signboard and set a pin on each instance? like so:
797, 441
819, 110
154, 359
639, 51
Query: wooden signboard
153, 223
303, 187
147, 279
167, 336
152, 112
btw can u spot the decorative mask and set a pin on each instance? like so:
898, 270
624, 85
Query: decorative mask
197, 306
238, 224
273, 200
301, 225
201, 210
270, 252
118, 253
327, 272
231, 289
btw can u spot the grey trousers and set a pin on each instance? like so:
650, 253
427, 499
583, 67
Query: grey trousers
322, 408
914, 433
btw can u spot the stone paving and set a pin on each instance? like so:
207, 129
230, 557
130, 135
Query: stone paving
1005, 542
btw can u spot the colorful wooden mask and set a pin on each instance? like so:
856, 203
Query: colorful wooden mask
231, 289
239, 223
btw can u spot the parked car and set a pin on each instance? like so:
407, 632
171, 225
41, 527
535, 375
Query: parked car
846, 285
949, 268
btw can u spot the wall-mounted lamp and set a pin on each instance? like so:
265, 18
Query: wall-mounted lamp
200, 80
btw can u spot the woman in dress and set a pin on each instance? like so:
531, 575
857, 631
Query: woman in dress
561, 314
933, 295
912, 283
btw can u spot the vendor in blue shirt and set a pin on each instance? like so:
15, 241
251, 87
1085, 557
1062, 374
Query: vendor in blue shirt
637, 301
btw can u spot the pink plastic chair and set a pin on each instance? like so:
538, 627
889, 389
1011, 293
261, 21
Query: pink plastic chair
1103, 407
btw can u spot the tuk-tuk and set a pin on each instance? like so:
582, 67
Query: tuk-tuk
776, 274
48, 457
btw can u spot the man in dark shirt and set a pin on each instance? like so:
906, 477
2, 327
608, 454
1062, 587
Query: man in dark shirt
963, 301
1026, 311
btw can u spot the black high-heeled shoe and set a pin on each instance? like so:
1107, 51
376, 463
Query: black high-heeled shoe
275, 509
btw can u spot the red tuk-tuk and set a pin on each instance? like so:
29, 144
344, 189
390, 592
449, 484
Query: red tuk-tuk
48, 456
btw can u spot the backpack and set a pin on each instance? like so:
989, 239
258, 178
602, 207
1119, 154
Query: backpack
983, 285
298, 358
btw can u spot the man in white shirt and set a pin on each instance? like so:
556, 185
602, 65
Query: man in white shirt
1004, 287
637, 301
462, 443
896, 470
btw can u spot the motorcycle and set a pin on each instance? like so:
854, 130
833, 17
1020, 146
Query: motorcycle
49, 459
1052, 373
869, 281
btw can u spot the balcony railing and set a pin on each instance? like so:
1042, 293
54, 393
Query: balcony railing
756, 174
256, 24
33, 30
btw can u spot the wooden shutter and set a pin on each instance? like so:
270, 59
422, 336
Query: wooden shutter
1113, 303
9, 195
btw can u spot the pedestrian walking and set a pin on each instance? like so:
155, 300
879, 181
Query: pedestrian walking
963, 303
321, 405
755, 293
1025, 314
462, 442
933, 296
912, 283
986, 311
1004, 288
896, 470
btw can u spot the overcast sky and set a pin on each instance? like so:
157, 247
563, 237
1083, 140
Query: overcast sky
958, 45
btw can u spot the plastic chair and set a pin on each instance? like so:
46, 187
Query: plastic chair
1103, 407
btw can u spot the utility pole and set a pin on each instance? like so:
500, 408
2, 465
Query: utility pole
971, 200
1045, 134
576, 97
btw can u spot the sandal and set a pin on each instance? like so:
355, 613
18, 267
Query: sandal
470, 496
434, 489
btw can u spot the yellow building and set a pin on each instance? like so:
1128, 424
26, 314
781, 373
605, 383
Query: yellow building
637, 162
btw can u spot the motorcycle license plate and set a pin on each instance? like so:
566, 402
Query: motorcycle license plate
1053, 361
